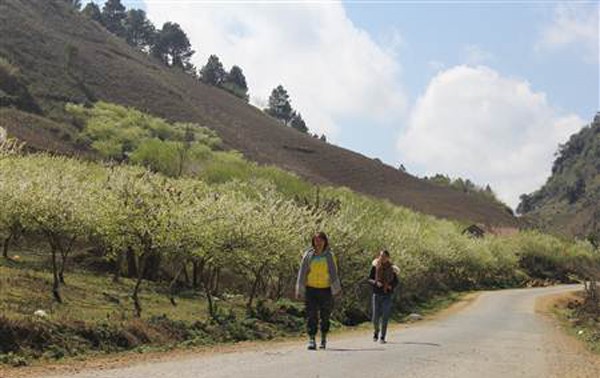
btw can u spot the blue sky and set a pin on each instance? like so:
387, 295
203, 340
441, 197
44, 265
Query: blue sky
484, 90
508, 32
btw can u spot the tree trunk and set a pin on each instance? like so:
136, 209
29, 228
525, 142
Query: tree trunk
279, 287
132, 269
136, 301
5, 246
217, 281
173, 283
118, 264
194, 274
64, 254
212, 310
152, 269
186, 276
257, 278
252, 293
197, 273
56, 281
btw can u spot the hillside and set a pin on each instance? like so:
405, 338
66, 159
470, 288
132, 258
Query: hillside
569, 201
63, 57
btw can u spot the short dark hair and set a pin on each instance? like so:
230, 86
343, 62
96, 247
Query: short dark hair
323, 236
385, 252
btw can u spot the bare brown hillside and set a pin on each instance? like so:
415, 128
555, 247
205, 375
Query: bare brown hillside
65, 57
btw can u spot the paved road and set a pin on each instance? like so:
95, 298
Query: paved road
498, 335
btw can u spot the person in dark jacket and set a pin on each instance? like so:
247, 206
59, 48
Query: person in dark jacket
318, 283
384, 279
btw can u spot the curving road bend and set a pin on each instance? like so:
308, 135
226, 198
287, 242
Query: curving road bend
498, 335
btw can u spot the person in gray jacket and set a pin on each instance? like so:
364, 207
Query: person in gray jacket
318, 283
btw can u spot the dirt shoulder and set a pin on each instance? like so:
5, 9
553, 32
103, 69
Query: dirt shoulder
587, 364
124, 359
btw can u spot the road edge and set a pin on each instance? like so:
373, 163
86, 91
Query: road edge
566, 342
130, 358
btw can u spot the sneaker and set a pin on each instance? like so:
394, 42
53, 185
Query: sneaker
312, 344
375, 337
323, 342
382, 341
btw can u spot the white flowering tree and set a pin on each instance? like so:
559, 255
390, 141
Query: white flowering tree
54, 197
267, 235
138, 212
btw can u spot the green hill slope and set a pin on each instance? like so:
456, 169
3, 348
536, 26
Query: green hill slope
63, 57
569, 202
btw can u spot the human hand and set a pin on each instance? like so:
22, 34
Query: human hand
379, 284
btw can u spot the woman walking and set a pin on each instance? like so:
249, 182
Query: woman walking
318, 283
384, 279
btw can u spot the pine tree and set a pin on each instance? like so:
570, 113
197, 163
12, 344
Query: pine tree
139, 31
235, 82
213, 72
113, 14
92, 11
279, 105
298, 123
172, 46
236, 77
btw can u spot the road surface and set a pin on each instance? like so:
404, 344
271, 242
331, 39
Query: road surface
498, 335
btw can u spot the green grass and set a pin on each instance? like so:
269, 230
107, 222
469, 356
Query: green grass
26, 287
89, 322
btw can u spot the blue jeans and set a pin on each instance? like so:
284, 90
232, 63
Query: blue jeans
382, 308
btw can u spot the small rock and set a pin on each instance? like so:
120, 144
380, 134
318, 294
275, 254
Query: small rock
41, 314
414, 317
580, 332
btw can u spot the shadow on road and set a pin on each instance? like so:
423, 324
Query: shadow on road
355, 349
416, 343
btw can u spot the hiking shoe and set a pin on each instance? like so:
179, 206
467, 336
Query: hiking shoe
323, 343
312, 344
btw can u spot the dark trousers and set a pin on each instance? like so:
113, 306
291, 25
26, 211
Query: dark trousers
319, 304
382, 308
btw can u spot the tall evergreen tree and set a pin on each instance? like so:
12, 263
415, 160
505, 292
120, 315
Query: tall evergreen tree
298, 123
235, 82
279, 105
213, 72
172, 46
236, 77
92, 11
139, 31
113, 14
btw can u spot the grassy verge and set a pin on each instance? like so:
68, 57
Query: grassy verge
97, 318
578, 322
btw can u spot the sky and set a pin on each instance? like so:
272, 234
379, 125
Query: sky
484, 90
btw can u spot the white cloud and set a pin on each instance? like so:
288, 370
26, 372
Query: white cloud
475, 55
472, 122
331, 68
573, 25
